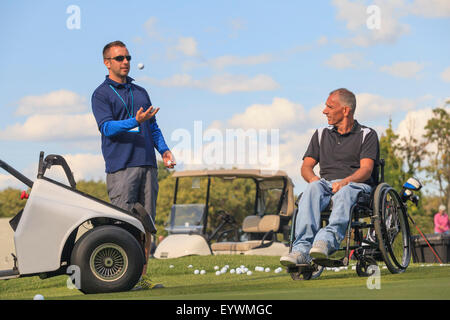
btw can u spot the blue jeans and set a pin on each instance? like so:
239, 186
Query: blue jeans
314, 200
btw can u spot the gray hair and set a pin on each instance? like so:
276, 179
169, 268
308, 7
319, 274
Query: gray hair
346, 97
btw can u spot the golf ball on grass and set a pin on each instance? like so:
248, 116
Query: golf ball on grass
218, 273
216, 267
249, 273
202, 272
196, 271
232, 271
267, 270
38, 297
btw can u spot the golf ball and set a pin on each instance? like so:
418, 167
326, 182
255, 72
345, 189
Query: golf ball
38, 297
218, 273
238, 271
278, 270
267, 270
190, 266
140, 66
171, 266
202, 272
259, 269
232, 271
249, 273
216, 267
196, 271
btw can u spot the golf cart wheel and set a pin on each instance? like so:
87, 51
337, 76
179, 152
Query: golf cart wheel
363, 266
392, 228
110, 260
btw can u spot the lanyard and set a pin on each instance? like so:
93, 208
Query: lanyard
126, 107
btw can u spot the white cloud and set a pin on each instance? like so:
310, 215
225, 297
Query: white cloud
84, 166
350, 60
237, 25
222, 84
370, 107
151, 28
430, 8
355, 16
405, 69
52, 128
225, 61
279, 114
187, 46
445, 75
55, 102
414, 124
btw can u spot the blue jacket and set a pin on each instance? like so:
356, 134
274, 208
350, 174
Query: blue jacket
114, 106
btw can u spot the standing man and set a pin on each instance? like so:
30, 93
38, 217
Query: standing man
130, 134
347, 152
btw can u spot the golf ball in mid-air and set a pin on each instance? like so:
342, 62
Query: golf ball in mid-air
140, 66
38, 297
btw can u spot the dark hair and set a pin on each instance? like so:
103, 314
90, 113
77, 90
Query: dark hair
346, 97
110, 45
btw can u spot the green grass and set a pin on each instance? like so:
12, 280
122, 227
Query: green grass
418, 282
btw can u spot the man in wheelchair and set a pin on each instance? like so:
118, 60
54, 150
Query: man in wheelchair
346, 152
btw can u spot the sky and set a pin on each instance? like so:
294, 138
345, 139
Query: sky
238, 83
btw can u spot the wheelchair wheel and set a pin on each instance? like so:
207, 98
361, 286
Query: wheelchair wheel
392, 228
363, 265
313, 273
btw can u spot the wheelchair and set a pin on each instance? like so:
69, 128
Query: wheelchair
378, 230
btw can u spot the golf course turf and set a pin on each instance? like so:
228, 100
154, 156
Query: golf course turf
421, 281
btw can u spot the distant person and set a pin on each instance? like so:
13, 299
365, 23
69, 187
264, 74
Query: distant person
441, 222
126, 120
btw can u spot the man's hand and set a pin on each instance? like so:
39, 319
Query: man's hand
142, 115
169, 160
336, 186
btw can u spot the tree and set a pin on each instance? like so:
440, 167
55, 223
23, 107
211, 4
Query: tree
10, 202
96, 189
411, 150
393, 170
438, 135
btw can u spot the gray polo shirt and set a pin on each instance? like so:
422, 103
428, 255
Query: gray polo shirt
339, 155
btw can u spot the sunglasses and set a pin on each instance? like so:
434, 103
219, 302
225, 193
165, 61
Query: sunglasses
120, 58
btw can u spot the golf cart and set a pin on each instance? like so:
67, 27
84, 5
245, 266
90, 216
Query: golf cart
108, 257
253, 232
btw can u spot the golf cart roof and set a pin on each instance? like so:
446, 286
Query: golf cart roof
266, 178
234, 173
